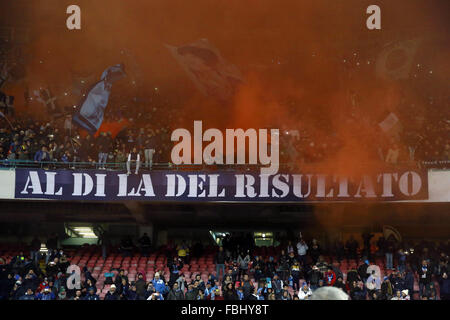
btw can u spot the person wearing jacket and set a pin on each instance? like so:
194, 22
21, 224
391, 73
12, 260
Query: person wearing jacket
314, 275
220, 260
302, 248
190, 293
330, 277
424, 277
141, 286
373, 284
120, 276
131, 294
305, 292
409, 281
112, 294
444, 284
340, 284
247, 286
230, 292
243, 261
387, 291
314, 252
356, 293
283, 266
295, 273
182, 284
174, 267
46, 295
159, 284
42, 155
362, 270
175, 293
277, 285
28, 295
91, 295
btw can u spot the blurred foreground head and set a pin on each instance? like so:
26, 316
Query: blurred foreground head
329, 293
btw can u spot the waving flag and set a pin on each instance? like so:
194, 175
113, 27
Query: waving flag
204, 65
90, 115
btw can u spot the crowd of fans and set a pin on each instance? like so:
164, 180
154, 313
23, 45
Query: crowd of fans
39, 143
295, 272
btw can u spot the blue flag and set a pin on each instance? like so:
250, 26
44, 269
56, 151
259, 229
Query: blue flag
90, 115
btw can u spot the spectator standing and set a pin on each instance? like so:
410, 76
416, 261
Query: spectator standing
149, 150
444, 285
424, 277
243, 261
220, 262
133, 156
104, 147
314, 251
174, 267
302, 248
35, 247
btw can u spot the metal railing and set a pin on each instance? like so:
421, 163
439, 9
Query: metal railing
116, 166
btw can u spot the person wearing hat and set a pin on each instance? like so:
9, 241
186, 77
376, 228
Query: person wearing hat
112, 293
305, 292
141, 286
62, 295
405, 295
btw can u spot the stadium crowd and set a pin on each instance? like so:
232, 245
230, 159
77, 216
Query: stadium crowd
35, 143
292, 271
